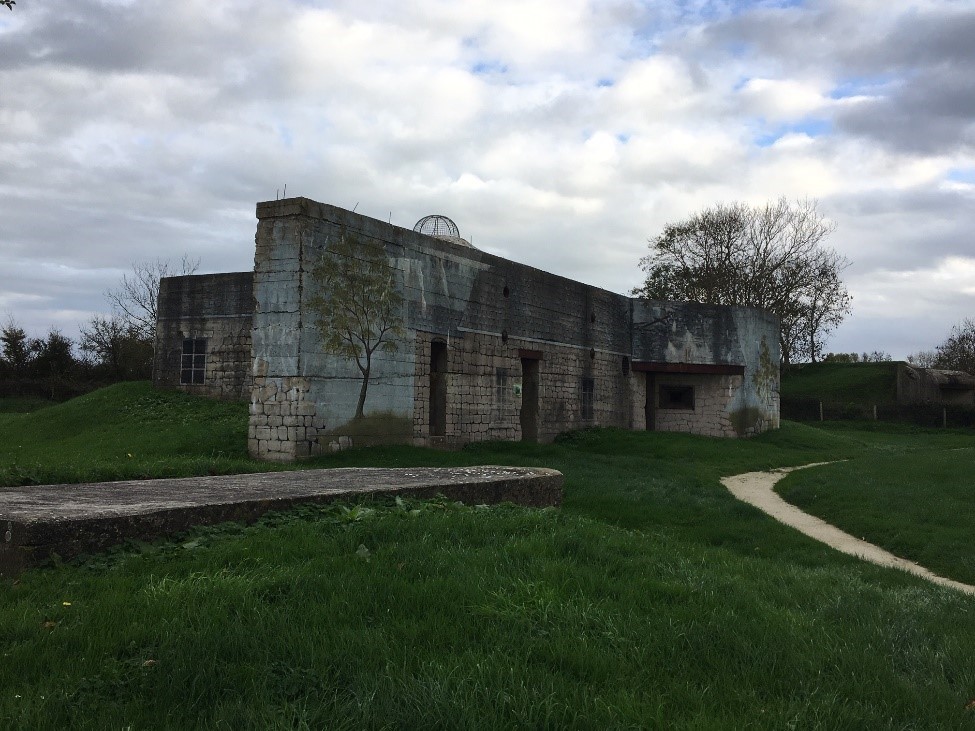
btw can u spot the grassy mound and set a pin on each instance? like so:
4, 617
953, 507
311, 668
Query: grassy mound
128, 430
855, 383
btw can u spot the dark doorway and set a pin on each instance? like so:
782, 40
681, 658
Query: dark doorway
529, 400
650, 407
438, 389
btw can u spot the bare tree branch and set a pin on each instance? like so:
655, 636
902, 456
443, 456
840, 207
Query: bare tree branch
135, 299
769, 256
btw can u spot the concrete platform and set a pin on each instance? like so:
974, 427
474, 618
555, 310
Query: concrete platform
69, 520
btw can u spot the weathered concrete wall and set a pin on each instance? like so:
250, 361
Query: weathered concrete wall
486, 309
681, 341
499, 322
215, 307
932, 386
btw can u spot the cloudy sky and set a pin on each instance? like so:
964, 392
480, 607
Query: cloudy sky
559, 133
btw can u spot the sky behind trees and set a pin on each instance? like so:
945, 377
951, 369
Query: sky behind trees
561, 134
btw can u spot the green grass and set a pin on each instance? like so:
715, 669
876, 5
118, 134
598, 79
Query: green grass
651, 599
919, 505
855, 383
22, 405
125, 431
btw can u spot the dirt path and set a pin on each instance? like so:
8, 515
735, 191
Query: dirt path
756, 488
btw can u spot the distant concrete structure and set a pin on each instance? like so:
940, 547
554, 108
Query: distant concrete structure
490, 349
203, 334
933, 386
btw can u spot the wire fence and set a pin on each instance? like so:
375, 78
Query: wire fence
927, 415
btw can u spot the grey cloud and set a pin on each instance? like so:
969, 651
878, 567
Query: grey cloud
902, 230
932, 113
919, 65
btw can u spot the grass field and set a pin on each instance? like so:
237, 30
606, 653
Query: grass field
651, 599
23, 405
855, 383
919, 505
128, 431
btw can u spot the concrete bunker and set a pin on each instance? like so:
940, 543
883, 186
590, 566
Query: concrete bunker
480, 348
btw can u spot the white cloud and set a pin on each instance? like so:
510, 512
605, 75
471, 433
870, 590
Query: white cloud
558, 134
783, 99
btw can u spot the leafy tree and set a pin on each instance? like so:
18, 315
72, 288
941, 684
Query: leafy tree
359, 309
53, 360
770, 257
957, 352
116, 347
16, 349
136, 297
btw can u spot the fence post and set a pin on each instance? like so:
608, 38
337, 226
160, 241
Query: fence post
944, 417
820, 410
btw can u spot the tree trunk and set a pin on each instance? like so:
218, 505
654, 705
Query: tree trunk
362, 394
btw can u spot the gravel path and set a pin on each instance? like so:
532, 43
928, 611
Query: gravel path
756, 488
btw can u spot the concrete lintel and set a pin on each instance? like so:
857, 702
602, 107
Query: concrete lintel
716, 369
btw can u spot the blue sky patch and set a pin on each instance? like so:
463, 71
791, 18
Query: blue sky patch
962, 175
860, 86
488, 67
810, 127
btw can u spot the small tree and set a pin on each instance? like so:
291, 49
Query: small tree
116, 347
769, 257
957, 352
358, 309
53, 361
136, 298
16, 349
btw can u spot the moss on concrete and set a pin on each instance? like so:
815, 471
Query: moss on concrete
382, 427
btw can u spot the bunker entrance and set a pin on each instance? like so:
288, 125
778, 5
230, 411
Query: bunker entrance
529, 400
438, 389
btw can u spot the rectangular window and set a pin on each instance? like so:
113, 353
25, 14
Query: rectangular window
501, 387
677, 397
193, 363
588, 398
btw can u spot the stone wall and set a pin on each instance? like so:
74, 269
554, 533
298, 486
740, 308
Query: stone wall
485, 388
710, 416
216, 308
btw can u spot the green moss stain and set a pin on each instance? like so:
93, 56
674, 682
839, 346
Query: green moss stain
367, 431
765, 375
745, 419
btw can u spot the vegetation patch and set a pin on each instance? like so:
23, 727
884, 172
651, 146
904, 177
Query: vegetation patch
23, 405
917, 505
125, 431
855, 383
651, 598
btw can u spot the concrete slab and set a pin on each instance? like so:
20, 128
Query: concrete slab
68, 520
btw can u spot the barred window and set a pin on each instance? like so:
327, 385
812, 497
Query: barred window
588, 397
194, 361
677, 397
501, 387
